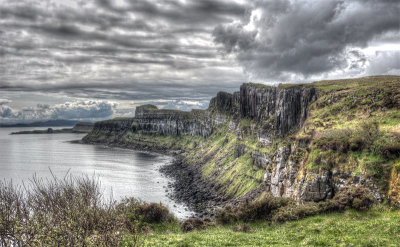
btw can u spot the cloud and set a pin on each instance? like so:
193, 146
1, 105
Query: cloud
79, 110
4, 101
279, 39
82, 109
106, 44
6, 112
385, 63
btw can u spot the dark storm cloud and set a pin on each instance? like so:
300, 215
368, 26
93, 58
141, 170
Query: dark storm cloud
306, 38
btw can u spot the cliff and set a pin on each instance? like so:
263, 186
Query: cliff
304, 141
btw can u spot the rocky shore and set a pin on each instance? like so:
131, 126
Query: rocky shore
187, 185
190, 188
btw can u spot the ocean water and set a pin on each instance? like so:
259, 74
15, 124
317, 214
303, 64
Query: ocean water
121, 172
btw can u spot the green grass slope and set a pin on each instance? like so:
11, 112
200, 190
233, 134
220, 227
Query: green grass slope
352, 228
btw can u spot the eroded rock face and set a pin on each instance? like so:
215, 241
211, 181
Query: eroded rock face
261, 160
281, 180
318, 189
284, 179
287, 108
171, 122
173, 126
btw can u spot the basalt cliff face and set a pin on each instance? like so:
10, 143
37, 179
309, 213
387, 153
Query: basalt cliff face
277, 140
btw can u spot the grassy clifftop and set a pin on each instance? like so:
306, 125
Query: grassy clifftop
355, 126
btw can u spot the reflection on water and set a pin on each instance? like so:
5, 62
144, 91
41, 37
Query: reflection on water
121, 172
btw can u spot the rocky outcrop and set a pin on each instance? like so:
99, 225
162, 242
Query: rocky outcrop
281, 179
222, 102
317, 189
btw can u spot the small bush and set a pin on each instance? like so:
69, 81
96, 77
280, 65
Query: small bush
128, 208
261, 210
357, 197
226, 215
251, 211
137, 214
195, 224
153, 213
296, 212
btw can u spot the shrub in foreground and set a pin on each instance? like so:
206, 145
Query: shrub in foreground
251, 211
295, 212
69, 212
283, 209
153, 213
138, 213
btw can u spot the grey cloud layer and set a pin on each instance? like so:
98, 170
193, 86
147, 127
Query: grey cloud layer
99, 44
306, 38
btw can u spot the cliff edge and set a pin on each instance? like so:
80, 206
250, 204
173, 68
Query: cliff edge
303, 141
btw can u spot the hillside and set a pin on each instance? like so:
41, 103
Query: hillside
302, 141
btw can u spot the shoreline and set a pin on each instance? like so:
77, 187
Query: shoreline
187, 186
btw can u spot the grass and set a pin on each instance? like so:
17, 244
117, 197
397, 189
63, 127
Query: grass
376, 227
74, 212
347, 103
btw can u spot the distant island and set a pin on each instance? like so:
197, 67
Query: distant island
81, 127
49, 123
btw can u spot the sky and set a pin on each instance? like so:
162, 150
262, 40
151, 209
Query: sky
98, 59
